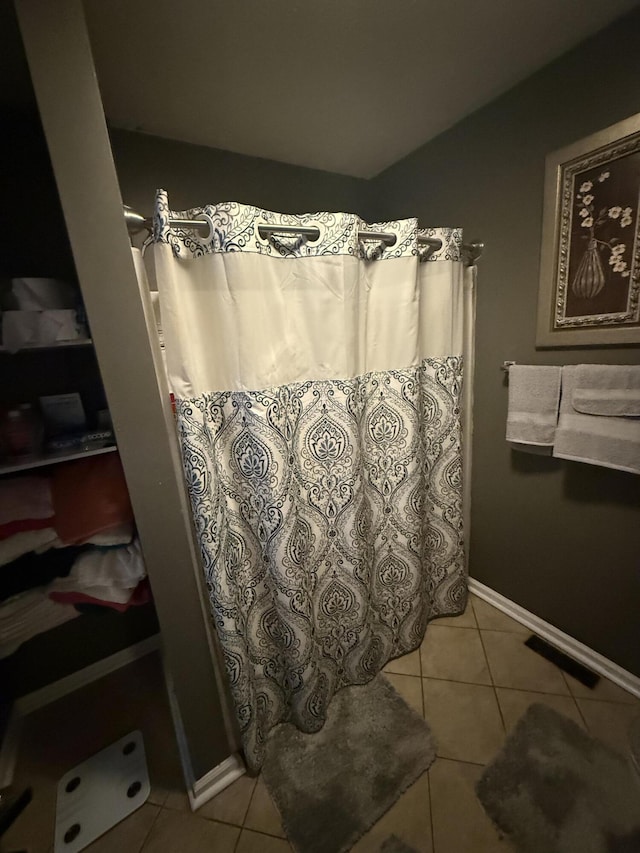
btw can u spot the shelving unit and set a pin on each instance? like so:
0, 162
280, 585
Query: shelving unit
53, 459
83, 342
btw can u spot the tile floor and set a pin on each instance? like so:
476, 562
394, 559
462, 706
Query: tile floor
472, 679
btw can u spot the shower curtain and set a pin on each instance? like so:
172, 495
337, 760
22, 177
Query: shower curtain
318, 390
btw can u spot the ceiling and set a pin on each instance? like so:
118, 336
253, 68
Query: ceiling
349, 86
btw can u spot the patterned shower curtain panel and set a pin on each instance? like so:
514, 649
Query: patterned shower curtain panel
328, 510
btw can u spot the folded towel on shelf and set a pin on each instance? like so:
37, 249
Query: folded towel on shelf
114, 569
101, 597
25, 498
607, 390
33, 570
534, 394
604, 439
21, 525
89, 497
28, 614
29, 540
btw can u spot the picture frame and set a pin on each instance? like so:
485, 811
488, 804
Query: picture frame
589, 291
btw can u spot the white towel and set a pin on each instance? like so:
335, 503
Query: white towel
534, 394
608, 390
114, 569
25, 497
28, 540
28, 614
613, 442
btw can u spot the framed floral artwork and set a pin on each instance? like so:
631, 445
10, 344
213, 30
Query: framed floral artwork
589, 292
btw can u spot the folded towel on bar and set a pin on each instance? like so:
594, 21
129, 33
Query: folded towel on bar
608, 390
534, 395
610, 441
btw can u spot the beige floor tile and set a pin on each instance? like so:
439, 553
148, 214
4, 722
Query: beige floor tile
409, 687
454, 653
465, 620
256, 842
460, 824
232, 804
181, 832
158, 795
177, 799
129, 835
33, 829
406, 665
609, 722
465, 720
408, 819
491, 618
604, 690
513, 704
513, 664
263, 816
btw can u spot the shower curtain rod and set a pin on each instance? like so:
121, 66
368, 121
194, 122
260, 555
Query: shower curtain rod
136, 222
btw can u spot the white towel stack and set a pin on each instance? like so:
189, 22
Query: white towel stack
600, 416
534, 395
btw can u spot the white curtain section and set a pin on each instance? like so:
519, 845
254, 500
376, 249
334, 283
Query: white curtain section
318, 388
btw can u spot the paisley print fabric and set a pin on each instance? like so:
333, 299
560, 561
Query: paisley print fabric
328, 504
330, 521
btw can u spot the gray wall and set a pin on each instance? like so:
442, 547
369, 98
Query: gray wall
561, 539
194, 175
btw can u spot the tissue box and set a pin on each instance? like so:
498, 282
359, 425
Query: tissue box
43, 328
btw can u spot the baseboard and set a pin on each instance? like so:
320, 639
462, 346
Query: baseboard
216, 780
51, 692
570, 646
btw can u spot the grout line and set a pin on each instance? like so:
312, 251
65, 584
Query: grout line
262, 832
605, 701
235, 846
429, 782
580, 714
150, 830
462, 761
246, 811
472, 609
520, 689
424, 709
591, 698
493, 683
253, 793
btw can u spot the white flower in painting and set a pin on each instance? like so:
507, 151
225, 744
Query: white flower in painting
618, 250
614, 212
587, 223
584, 212
620, 266
627, 218
587, 199
625, 274
603, 176
586, 186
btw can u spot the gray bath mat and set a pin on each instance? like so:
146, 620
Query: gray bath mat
553, 788
330, 787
